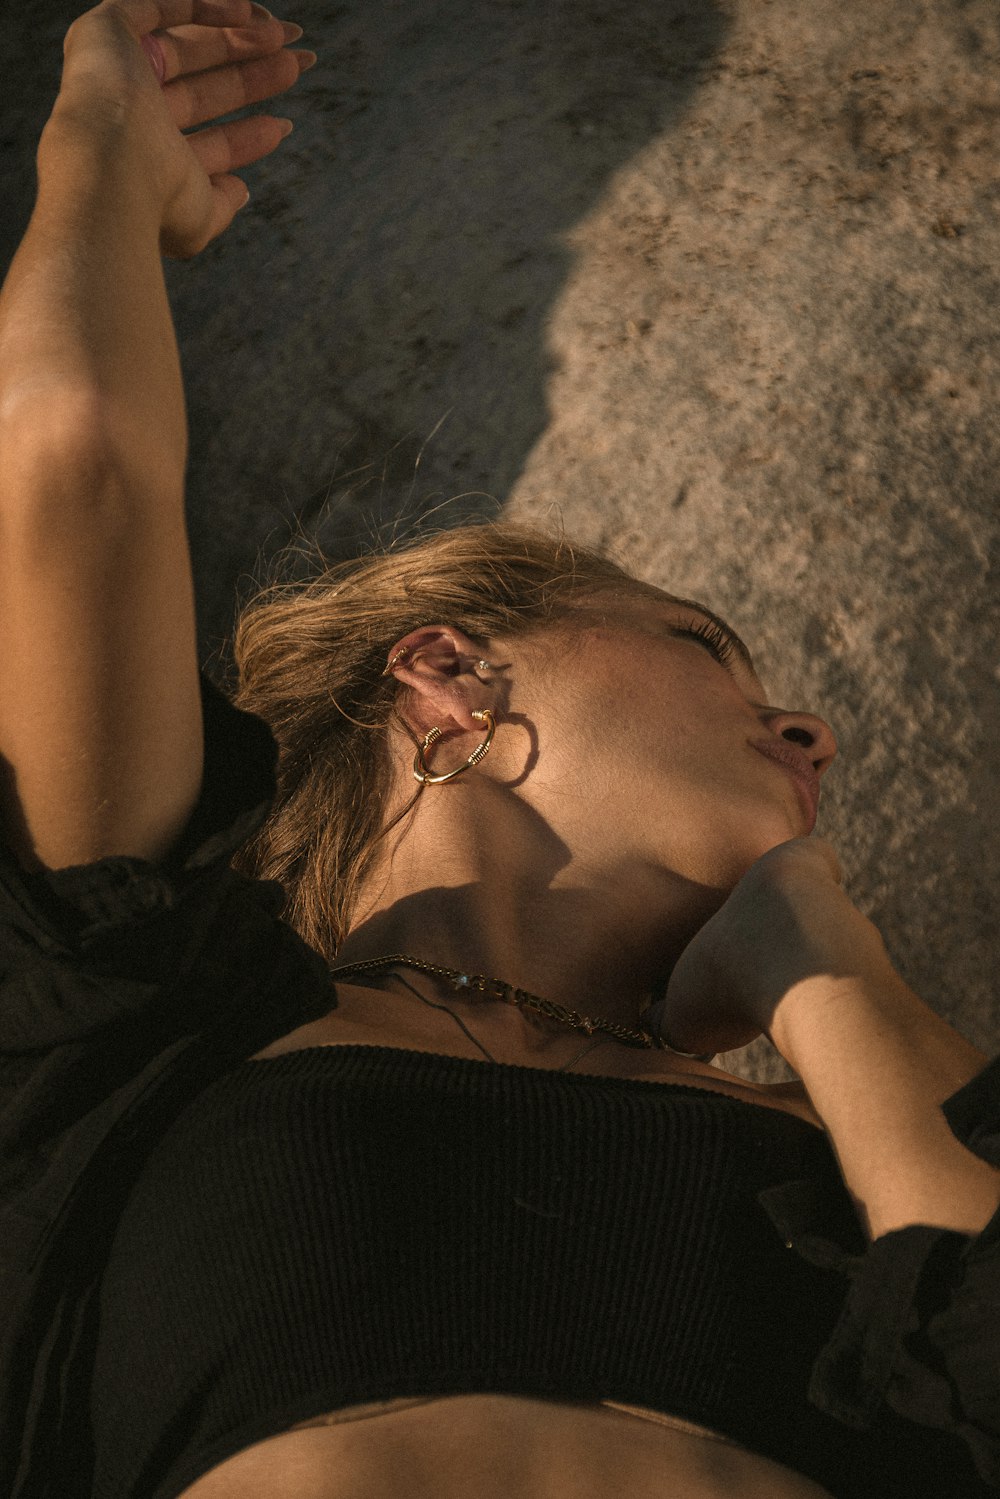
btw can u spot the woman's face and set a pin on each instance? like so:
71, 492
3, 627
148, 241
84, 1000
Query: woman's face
645, 741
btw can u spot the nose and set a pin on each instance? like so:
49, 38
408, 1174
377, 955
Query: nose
811, 733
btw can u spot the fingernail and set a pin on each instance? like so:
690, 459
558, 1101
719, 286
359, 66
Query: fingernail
286, 128
154, 51
307, 60
292, 32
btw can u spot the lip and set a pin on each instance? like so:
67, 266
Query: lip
799, 766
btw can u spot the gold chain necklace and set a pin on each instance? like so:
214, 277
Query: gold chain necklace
434, 1005
497, 989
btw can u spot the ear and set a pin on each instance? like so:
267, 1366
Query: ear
438, 664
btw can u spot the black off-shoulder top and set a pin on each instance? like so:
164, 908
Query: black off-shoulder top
198, 1250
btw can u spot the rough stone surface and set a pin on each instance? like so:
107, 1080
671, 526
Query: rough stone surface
714, 285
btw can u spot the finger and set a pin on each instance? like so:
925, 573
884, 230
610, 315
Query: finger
227, 148
87, 38
800, 854
195, 49
206, 96
143, 16
829, 854
153, 48
229, 195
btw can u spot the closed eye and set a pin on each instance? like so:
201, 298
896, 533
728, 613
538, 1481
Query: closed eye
722, 640
721, 645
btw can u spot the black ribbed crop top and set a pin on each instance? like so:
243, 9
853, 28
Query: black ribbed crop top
357, 1223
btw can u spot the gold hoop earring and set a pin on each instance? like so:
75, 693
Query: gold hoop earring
423, 775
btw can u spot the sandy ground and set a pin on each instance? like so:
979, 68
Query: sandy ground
712, 284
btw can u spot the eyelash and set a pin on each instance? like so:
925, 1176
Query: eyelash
718, 642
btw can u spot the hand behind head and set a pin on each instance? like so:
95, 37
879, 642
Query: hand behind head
788, 919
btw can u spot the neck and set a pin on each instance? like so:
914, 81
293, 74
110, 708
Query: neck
596, 940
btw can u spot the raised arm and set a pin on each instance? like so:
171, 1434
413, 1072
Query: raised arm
100, 714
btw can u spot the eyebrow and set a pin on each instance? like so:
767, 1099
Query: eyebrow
727, 629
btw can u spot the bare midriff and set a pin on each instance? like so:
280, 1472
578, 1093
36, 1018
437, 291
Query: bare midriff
498, 1446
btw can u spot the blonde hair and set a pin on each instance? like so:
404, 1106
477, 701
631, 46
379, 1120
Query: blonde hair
310, 656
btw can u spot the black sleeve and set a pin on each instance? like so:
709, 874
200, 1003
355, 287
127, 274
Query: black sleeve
920, 1326
108, 970
79, 946
124, 986
70, 909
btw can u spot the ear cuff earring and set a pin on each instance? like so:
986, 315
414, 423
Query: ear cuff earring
405, 651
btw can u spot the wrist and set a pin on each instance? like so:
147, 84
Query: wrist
813, 1006
851, 956
826, 1023
877, 1064
85, 152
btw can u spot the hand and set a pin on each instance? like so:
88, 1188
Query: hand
788, 919
217, 56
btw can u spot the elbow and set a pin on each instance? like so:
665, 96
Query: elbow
59, 467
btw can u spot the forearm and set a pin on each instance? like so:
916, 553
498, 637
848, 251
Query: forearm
877, 1064
84, 309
